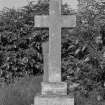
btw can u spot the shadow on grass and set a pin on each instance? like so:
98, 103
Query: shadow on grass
22, 92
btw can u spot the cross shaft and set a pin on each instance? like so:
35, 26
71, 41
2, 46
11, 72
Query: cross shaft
55, 22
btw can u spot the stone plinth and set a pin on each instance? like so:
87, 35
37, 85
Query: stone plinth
53, 100
54, 88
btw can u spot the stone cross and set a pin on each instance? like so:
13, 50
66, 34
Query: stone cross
54, 91
55, 22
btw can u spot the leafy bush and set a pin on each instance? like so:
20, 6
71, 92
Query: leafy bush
82, 48
83, 54
20, 43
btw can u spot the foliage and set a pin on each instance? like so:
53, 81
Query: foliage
82, 48
84, 51
20, 42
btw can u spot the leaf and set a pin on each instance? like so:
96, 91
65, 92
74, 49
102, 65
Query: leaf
77, 51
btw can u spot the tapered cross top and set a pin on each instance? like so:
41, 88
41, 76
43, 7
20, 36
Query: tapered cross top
54, 21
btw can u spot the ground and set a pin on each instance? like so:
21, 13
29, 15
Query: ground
24, 91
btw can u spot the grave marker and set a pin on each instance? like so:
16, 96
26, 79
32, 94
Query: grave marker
52, 85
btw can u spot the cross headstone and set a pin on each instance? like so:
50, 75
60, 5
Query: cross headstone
52, 84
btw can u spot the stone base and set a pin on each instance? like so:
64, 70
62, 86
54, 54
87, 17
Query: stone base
54, 88
53, 100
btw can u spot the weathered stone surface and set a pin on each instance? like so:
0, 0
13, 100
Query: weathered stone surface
53, 100
54, 21
51, 88
45, 47
41, 21
54, 92
49, 75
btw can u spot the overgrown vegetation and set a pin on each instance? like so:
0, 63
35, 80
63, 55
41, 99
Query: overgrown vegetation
82, 48
20, 42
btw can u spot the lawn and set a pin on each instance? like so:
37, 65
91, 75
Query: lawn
24, 91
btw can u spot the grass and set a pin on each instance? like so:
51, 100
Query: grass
24, 91
20, 93
90, 100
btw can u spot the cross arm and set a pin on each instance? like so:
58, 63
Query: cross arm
68, 21
41, 21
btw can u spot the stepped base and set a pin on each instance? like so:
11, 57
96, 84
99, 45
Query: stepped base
54, 88
53, 100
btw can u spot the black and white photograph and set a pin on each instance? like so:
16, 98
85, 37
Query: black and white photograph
52, 52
